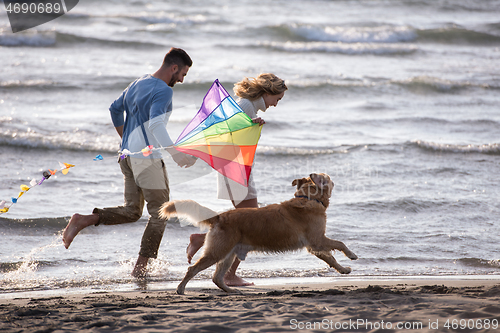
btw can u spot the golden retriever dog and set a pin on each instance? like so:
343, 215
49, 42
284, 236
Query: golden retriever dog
291, 225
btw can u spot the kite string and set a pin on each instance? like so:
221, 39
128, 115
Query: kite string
5, 206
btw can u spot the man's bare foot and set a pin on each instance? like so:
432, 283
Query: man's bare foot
140, 269
196, 241
232, 280
76, 224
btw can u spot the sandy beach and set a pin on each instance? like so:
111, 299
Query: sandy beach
378, 305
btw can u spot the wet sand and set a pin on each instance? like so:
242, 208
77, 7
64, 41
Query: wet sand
378, 305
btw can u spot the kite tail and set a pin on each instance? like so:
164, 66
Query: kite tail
198, 215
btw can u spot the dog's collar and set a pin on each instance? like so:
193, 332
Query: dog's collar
303, 196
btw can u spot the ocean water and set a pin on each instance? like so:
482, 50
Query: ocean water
396, 100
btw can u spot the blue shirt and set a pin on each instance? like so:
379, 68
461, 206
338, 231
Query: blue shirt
143, 109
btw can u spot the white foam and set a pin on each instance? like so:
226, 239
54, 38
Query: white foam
441, 84
162, 17
380, 34
270, 150
341, 47
490, 148
81, 140
25, 83
28, 38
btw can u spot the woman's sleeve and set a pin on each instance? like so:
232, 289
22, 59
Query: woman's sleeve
247, 106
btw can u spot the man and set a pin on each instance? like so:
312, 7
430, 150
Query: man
147, 104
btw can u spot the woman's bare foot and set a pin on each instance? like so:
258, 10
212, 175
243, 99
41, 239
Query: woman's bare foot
196, 241
230, 279
76, 224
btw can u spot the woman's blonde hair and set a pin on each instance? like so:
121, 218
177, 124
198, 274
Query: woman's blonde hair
253, 88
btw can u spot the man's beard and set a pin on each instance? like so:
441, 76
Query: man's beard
173, 80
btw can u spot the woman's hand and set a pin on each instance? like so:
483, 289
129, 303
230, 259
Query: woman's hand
259, 121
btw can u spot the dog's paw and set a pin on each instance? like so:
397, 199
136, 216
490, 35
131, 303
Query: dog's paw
345, 270
180, 291
351, 255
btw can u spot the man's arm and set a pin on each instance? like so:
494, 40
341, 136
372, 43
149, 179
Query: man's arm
116, 110
158, 118
119, 129
159, 114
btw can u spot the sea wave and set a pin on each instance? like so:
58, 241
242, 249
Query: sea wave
68, 39
416, 85
201, 86
28, 38
147, 14
469, 125
385, 33
36, 38
488, 149
427, 83
7, 267
86, 82
54, 223
455, 34
406, 204
295, 151
341, 47
480, 263
356, 34
75, 141
169, 18
37, 84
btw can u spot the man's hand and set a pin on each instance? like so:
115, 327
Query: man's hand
192, 161
182, 160
259, 121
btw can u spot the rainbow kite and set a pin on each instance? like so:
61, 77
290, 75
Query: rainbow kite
222, 135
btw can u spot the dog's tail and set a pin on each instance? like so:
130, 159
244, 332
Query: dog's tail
197, 214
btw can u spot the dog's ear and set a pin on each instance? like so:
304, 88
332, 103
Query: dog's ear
299, 182
317, 179
322, 181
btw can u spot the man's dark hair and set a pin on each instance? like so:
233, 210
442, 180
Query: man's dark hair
178, 57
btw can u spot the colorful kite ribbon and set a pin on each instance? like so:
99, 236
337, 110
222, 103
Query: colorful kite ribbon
4, 206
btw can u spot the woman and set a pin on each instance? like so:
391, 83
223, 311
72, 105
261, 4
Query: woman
255, 94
